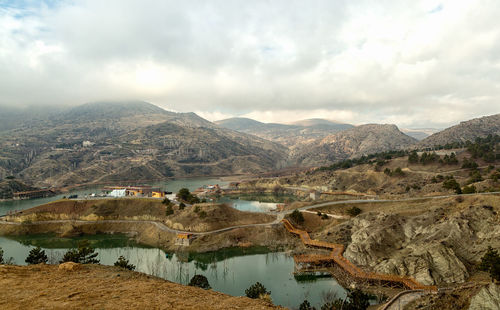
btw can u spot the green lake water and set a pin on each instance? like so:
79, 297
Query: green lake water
230, 271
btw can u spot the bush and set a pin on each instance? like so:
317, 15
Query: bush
124, 263
182, 206
202, 214
305, 305
201, 281
169, 210
469, 189
166, 201
36, 256
318, 213
491, 262
257, 290
324, 216
356, 300
398, 172
1, 256
451, 183
297, 217
196, 209
83, 255
354, 211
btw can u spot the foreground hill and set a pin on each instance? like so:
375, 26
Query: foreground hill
290, 135
468, 130
103, 287
354, 142
129, 141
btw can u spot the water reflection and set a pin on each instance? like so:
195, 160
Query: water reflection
230, 271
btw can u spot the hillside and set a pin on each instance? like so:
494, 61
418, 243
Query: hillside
129, 141
9, 187
105, 287
467, 130
354, 142
291, 135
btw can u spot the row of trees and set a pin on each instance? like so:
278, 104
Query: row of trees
83, 254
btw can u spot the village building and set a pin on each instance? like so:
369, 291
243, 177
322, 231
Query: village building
134, 191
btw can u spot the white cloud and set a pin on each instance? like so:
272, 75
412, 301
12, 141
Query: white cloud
416, 64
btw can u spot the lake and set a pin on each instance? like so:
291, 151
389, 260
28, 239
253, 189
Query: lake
230, 271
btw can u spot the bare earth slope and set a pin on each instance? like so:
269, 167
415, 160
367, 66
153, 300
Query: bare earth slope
468, 130
109, 142
102, 287
360, 140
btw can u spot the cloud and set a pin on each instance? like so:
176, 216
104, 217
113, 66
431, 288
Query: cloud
420, 64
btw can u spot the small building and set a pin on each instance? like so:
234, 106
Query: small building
118, 193
184, 239
157, 194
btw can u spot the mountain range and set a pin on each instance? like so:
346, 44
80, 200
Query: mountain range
121, 141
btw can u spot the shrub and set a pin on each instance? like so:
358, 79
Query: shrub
169, 210
491, 262
387, 171
124, 263
356, 300
318, 213
1, 256
36, 256
196, 209
182, 206
10, 177
166, 201
305, 305
324, 216
475, 176
257, 290
451, 183
398, 172
202, 214
469, 189
354, 211
83, 255
297, 217
201, 281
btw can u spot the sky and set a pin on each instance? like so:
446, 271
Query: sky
416, 64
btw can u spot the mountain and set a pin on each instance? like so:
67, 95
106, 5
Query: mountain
354, 142
419, 133
290, 135
129, 141
468, 130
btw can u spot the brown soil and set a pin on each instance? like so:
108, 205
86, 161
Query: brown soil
199, 218
102, 287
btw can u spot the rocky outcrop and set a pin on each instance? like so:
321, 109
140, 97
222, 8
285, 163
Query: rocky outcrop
468, 130
355, 142
488, 298
429, 247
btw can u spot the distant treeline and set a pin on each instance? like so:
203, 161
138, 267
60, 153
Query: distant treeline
483, 148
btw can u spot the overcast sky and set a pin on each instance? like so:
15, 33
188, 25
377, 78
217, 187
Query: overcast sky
412, 63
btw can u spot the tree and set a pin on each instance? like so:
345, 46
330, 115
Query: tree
297, 217
355, 300
201, 281
36, 256
305, 305
413, 157
182, 206
491, 262
1, 256
257, 290
83, 255
166, 201
124, 263
185, 195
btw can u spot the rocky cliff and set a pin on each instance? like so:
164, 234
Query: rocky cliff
355, 142
468, 130
435, 247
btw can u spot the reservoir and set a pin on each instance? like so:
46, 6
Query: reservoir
230, 271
